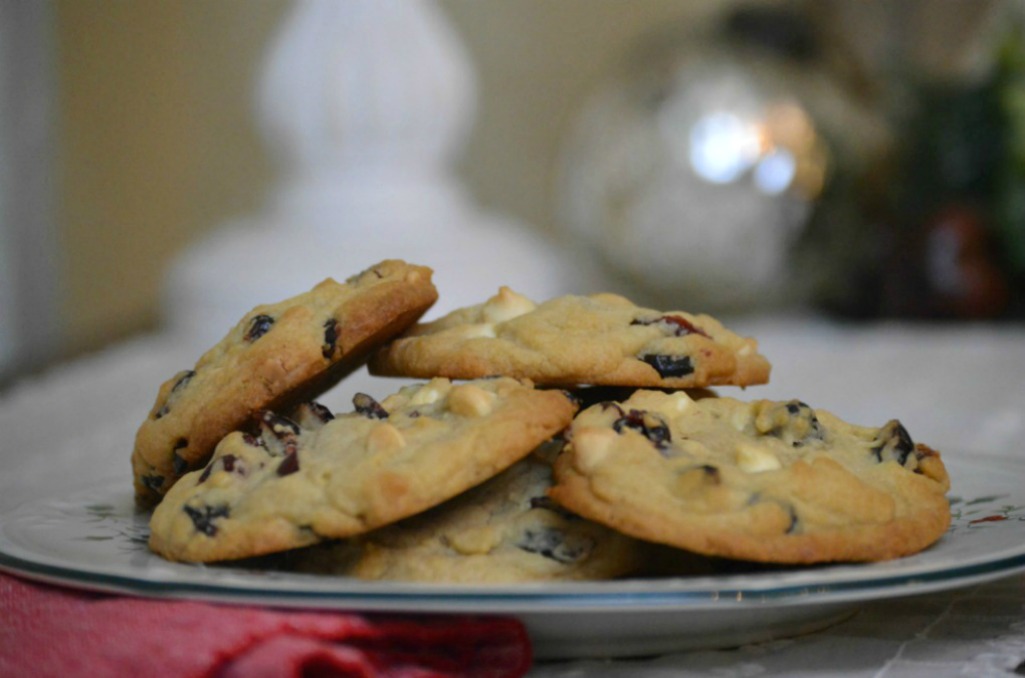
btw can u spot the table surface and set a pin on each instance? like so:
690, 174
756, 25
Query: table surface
960, 388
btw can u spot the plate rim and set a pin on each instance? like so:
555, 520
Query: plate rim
856, 582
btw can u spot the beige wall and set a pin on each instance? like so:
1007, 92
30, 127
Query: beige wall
158, 143
155, 145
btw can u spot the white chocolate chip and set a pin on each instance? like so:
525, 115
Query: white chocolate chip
474, 331
220, 479
591, 446
477, 541
469, 400
506, 305
681, 401
741, 417
753, 459
428, 393
385, 438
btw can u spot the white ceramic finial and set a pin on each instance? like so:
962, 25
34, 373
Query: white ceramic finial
378, 82
366, 104
366, 101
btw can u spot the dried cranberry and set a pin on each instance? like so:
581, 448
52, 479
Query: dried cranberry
258, 327
555, 545
609, 405
894, 443
330, 337
228, 462
676, 324
649, 425
802, 425
670, 366
183, 379
792, 527
320, 411
289, 465
280, 434
711, 473
204, 518
313, 415
280, 426
179, 463
369, 407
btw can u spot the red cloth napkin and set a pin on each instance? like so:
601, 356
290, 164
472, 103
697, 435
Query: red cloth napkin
50, 631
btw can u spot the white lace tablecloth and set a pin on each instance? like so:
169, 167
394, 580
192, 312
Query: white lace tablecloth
959, 388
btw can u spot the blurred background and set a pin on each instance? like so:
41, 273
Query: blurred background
166, 165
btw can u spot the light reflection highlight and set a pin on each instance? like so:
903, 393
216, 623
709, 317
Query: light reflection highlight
723, 147
778, 149
775, 172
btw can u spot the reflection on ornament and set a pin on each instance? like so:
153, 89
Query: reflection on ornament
694, 180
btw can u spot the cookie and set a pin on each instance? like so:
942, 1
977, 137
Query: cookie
602, 339
763, 481
506, 530
277, 356
315, 476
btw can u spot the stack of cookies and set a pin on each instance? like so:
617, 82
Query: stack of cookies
572, 439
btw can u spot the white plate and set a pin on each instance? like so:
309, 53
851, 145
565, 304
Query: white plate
96, 540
